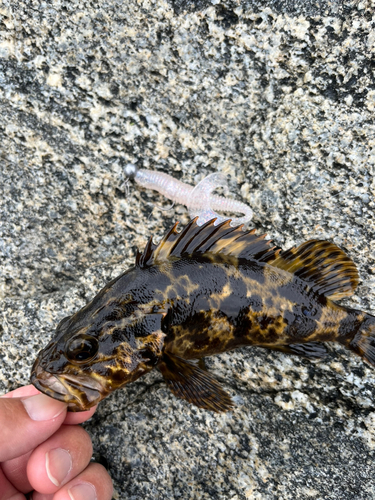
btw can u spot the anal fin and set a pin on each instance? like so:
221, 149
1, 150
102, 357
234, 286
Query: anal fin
308, 349
187, 381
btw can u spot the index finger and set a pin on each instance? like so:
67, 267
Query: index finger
72, 418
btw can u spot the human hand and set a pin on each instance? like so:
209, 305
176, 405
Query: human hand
41, 450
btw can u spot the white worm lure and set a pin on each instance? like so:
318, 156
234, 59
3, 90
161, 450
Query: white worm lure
199, 199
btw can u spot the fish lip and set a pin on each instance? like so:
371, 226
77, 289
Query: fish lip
64, 388
46, 388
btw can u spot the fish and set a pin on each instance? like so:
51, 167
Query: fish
200, 292
200, 200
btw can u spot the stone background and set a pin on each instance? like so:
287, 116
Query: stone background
280, 96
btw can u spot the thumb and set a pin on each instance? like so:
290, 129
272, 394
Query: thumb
26, 422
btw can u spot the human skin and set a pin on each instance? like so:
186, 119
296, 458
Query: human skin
44, 451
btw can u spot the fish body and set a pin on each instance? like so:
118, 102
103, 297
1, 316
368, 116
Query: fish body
206, 290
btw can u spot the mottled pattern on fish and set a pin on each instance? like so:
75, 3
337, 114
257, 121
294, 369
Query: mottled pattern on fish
203, 291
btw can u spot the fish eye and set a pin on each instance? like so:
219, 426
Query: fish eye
82, 348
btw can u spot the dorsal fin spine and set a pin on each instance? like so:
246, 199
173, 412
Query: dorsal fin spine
193, 239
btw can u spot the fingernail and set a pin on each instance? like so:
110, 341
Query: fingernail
58, 465
82, 491
42, 407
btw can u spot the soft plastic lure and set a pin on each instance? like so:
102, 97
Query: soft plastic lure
200, 200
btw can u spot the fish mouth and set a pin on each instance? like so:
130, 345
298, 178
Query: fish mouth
80, 392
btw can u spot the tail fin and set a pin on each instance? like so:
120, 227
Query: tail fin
363, 342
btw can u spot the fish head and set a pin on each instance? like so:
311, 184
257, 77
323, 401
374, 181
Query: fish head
93, 353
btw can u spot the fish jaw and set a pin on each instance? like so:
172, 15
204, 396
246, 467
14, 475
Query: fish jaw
79, 392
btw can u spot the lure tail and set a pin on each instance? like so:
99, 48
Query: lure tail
363, 342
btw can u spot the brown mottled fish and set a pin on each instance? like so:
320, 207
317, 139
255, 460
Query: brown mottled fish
203, 291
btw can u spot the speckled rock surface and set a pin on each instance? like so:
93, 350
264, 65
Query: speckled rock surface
281, 96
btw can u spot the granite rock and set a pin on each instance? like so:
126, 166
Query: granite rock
278, 95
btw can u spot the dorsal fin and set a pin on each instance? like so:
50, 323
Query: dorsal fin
327, 268
193, 239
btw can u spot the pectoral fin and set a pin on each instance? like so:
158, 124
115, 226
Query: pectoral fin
202, 364
189, 382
